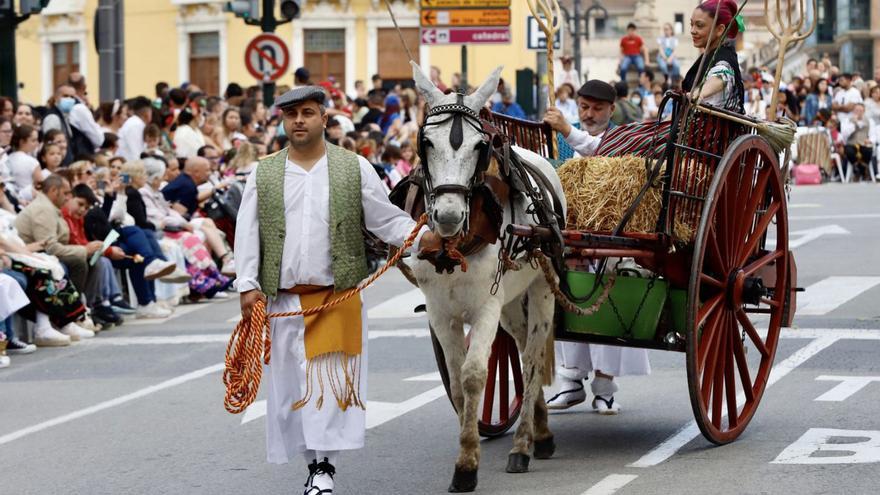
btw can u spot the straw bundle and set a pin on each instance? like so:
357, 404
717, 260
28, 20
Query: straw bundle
600, 189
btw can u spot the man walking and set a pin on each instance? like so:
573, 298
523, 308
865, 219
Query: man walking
298, 242
575, 360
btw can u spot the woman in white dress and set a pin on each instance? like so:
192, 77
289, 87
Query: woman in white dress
23, 167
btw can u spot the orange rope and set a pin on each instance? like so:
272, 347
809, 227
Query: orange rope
251, 337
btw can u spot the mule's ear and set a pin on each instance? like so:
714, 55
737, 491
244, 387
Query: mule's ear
425, 86
479, 97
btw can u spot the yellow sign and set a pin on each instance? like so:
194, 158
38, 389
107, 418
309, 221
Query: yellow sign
458, 4
466, 17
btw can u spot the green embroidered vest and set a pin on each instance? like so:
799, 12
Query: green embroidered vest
348, 258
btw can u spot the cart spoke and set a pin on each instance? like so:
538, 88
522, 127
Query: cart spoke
752, 333
770, 302
758, 233
503, 383
718, 382
743, 366
754, 200
711, 359
707, 307
730, 382
714, 249
708, 336
756, 265
711, 281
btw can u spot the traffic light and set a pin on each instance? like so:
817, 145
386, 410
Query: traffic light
247, 9
33, 6
290, 9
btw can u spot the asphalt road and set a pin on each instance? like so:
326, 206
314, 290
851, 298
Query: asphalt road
138, 410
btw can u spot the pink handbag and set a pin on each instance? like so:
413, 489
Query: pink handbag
807, 174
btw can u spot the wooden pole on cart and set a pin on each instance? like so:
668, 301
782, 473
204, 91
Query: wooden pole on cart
787, 30
549, 24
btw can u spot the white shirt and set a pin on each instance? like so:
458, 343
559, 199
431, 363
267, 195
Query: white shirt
131, 138
844, 97
21, 167
582, 142
187, 141
306, 255
850, 126
569, 76
81, 117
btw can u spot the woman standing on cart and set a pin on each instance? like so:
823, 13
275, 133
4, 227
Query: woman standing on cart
723, 88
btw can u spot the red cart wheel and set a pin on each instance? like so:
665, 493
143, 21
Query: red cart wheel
500, 410
730, 308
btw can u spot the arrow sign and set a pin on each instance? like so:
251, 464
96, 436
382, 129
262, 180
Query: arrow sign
466, 17
467, 4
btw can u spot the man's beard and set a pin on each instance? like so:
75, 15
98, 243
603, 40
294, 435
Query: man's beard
595, 127
306, 140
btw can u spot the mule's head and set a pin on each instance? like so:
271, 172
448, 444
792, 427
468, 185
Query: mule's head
450, 148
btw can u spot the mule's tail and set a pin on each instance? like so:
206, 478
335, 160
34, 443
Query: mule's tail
550, 358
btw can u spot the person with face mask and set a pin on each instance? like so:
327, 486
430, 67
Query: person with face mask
61, 105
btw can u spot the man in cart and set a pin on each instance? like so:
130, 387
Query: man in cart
575, 360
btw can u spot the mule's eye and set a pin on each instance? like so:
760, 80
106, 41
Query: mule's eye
426, 143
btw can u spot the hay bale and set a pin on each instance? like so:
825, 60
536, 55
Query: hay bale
599, 189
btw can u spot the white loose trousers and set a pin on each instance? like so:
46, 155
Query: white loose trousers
577, 359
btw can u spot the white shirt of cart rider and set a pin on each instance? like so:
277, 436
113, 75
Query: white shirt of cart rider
583, 143
845, 97
306, 260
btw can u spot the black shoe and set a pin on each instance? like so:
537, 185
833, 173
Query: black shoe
319, 469
16, 346
120, 305
105, 316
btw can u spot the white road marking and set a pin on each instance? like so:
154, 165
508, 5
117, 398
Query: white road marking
690, 430
400, 306
111, 403
849, 216
161, 340
803, 205
864, 447
848, 386
827, 295
610, 484
799, 238
378, 413
838, 333
433, 376
178, 312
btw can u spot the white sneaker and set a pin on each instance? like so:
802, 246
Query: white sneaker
159, 268
152, 310
89, 324
221, 295
178, 276
76, 332
569, 393
4, 361
320, 481
49, 337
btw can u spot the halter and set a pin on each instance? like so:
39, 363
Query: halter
459, 113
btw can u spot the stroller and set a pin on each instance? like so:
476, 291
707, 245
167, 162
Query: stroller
222, 208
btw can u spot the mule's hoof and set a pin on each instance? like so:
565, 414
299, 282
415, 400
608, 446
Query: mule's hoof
517, 463
544, 449
463, 481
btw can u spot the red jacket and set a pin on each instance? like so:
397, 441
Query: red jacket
77, 228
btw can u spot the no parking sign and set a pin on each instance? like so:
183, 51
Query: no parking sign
266, 56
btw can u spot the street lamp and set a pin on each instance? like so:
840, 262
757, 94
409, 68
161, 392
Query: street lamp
574, 26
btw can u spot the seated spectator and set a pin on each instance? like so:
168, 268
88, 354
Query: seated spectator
860, 134
24, 115
507, 106
188, 138
50, 157
566, 104
408, 159
12, 299
244, 162
206, 280
23, 167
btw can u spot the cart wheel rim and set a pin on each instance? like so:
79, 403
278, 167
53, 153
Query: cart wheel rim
745, 203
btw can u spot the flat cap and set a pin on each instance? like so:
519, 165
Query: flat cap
298, 95
597, 90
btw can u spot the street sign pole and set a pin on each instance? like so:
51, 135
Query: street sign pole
8, 76
541, 73
464, 69
268, 24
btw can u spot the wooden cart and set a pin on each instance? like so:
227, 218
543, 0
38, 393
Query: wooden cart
720, 297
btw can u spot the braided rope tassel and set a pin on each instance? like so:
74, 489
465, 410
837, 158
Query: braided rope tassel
252, 339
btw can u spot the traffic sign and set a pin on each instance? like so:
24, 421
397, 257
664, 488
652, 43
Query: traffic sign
464, 35
266, 56
536, 39
466, 17
466, 4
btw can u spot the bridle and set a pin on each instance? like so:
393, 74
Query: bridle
459, 113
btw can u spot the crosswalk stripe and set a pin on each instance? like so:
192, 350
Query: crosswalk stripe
400, 306
827, 295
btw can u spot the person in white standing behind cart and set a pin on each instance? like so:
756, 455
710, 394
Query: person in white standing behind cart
575, 360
